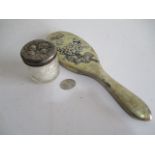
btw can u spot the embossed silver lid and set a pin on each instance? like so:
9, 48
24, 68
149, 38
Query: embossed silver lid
38, 52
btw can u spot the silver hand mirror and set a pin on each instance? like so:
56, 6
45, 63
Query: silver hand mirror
78, 56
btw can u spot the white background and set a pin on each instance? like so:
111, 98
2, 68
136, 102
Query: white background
126, 51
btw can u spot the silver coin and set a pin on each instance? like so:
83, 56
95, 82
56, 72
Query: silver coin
67, 84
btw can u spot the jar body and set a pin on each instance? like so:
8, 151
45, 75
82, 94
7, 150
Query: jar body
45, 73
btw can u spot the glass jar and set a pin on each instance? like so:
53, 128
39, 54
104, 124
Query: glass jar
41, 58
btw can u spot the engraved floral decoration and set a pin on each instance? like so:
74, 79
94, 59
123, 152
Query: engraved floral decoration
37, 50
73, 52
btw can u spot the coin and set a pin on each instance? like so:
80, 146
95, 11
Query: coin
67, 84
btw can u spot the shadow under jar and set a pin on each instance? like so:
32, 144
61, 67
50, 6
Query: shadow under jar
41, 58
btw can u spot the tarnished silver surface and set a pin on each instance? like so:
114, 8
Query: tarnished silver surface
78, 56
38, 52
67, 84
